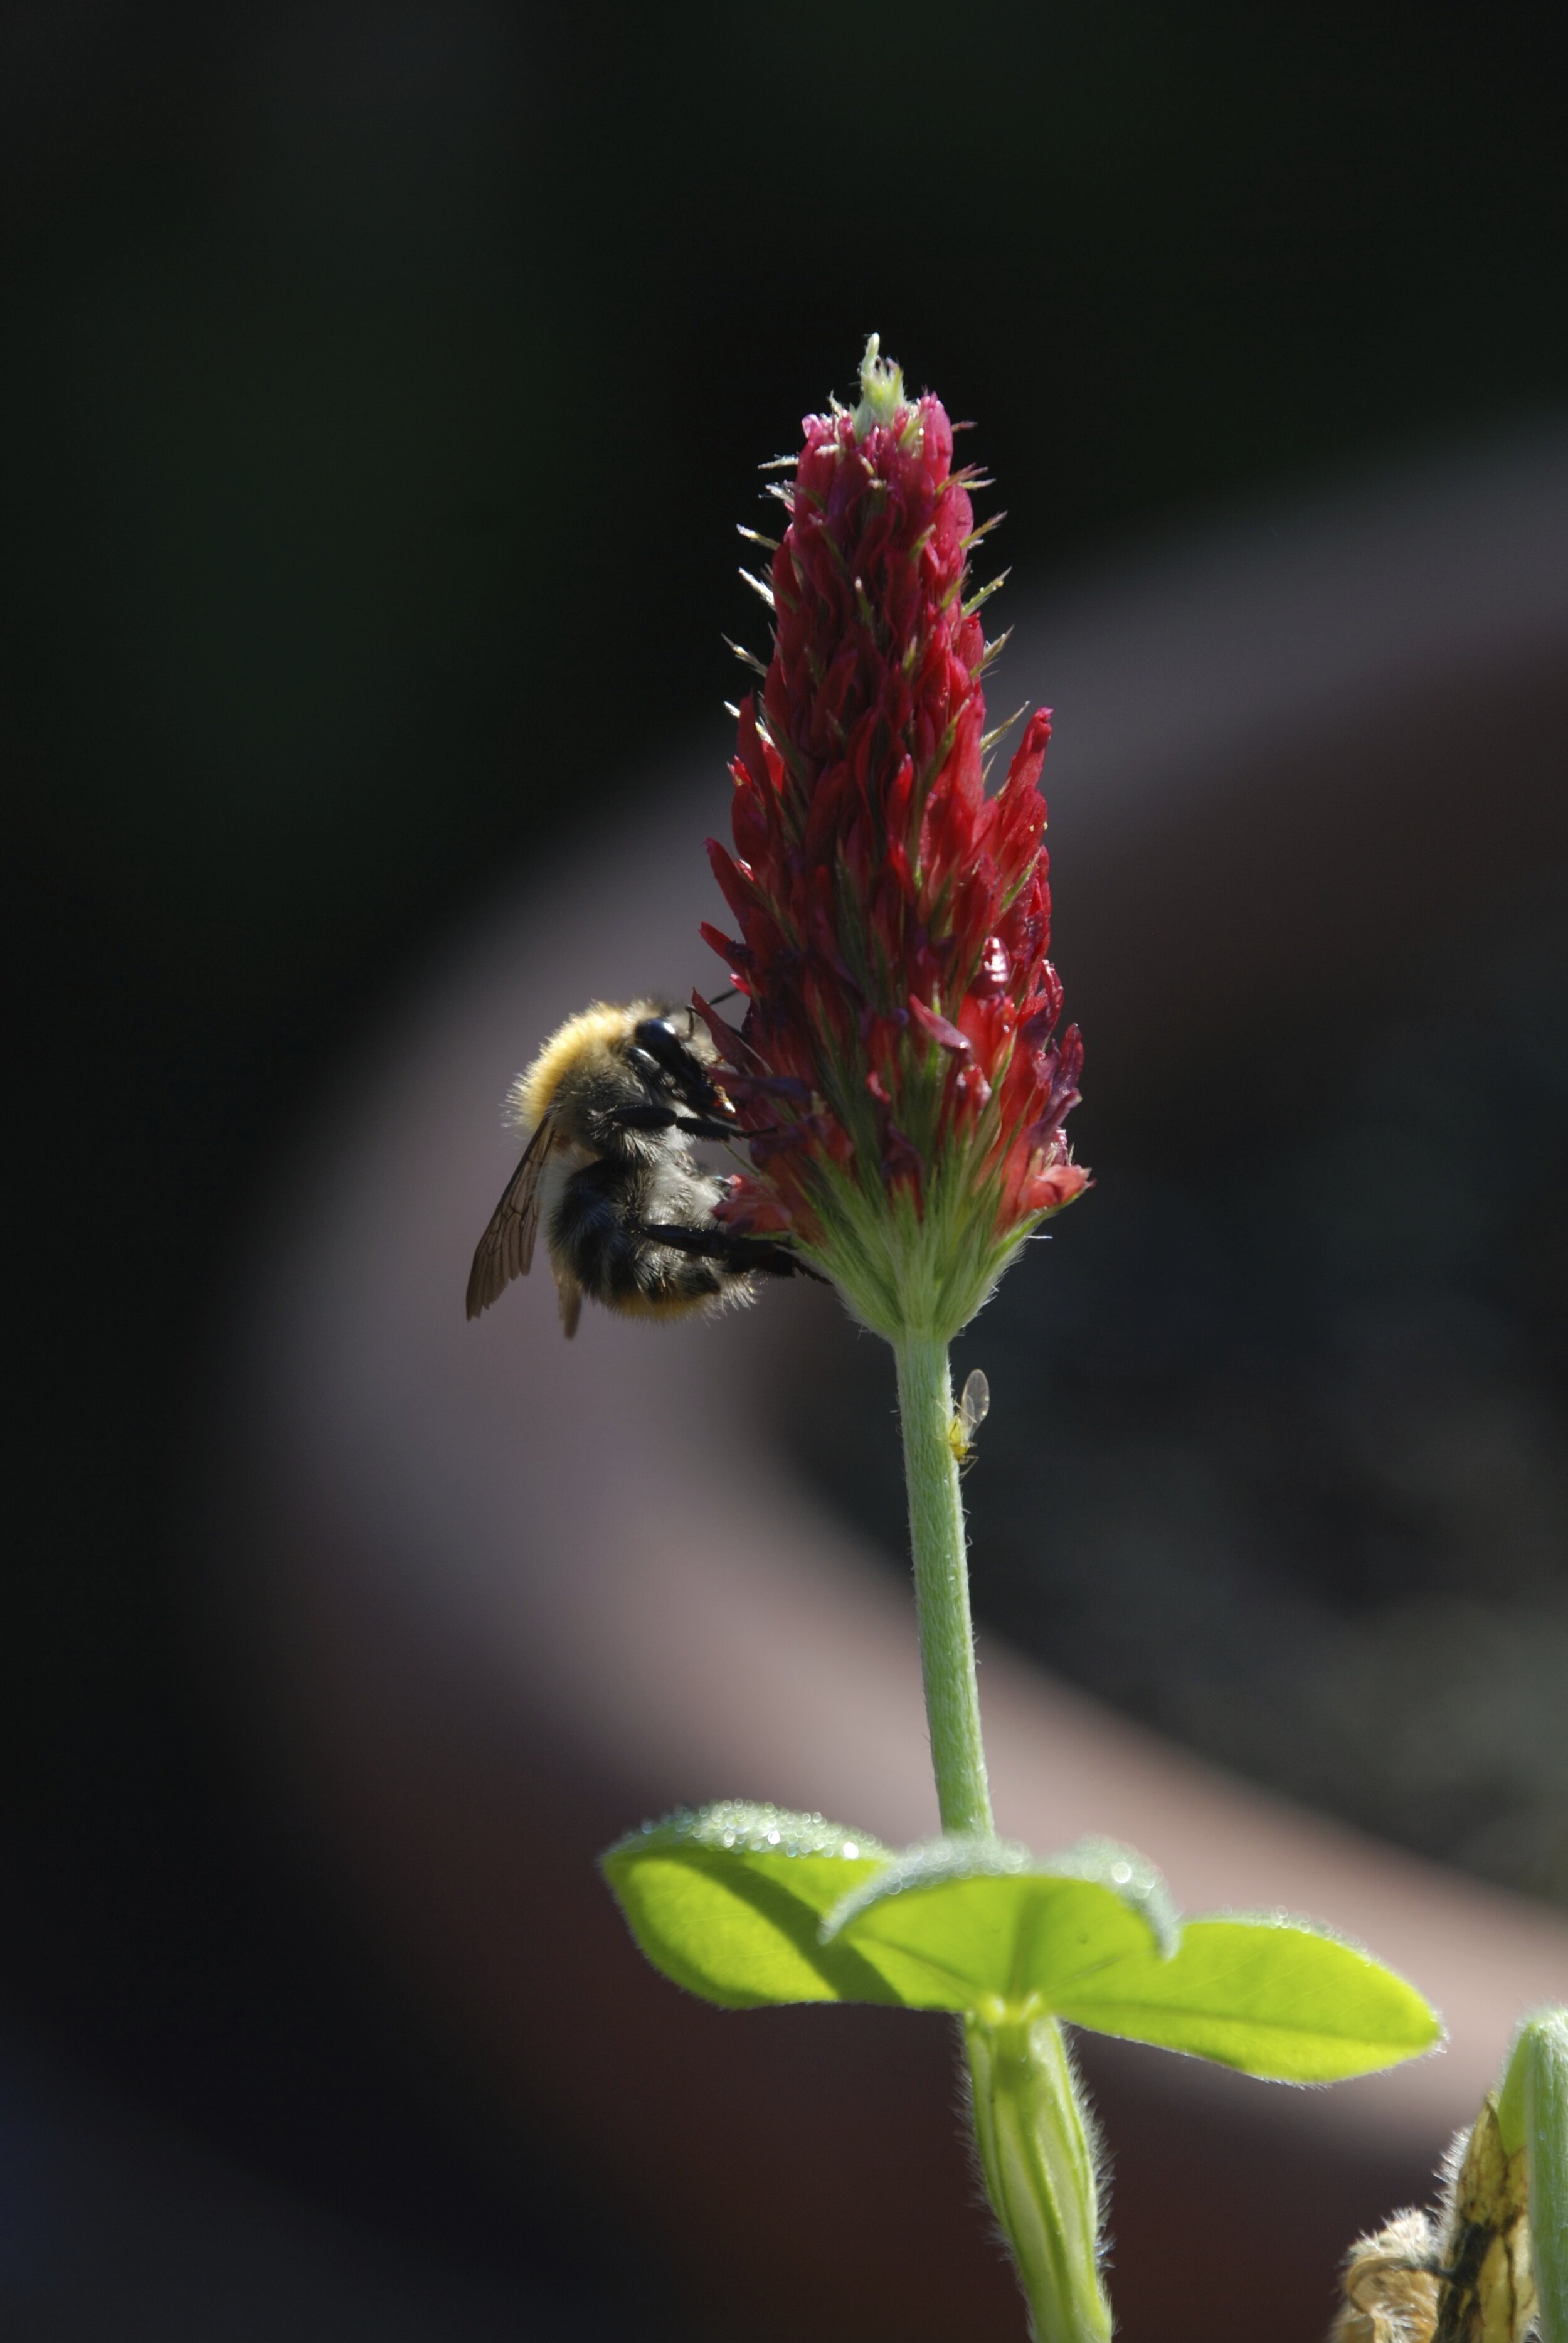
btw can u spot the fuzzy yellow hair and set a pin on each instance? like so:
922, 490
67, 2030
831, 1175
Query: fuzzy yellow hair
532, 1095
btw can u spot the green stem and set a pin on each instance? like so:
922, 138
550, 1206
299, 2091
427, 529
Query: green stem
1028, 2125
942, 1585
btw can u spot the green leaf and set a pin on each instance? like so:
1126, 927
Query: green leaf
752, 1905
729, 1902
1271, 1995
975, 1925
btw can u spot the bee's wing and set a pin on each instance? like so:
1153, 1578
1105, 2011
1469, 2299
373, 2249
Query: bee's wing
507, 1248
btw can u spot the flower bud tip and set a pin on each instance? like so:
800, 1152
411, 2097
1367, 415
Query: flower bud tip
881, 389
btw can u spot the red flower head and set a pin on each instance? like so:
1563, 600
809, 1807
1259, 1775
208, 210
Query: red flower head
900, 1062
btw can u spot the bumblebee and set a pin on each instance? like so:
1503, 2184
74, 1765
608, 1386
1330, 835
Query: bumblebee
610, 1107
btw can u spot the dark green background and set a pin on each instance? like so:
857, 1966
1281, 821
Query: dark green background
384, 385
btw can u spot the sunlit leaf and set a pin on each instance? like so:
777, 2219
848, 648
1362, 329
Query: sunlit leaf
729, 1902
1271, 1995
752, 1905
967, 1923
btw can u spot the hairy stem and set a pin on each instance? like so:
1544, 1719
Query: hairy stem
942, 1584
1033, 2141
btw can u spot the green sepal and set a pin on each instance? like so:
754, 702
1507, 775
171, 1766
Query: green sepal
1532, 2114
1539, 2046
983, 1925
1272, 1996
729, 1902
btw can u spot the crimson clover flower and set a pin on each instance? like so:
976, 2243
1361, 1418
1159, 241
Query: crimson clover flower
899, 1065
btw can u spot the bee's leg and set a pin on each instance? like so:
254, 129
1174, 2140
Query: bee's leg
737, 1252
710, 1244
644, 1117
668, 1117
707, 1126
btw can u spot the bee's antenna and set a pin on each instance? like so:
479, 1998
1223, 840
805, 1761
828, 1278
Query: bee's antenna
733, 994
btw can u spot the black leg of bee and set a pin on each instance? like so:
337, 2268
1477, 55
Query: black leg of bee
737, 1252
644, 1117
670, 1118
707, 1126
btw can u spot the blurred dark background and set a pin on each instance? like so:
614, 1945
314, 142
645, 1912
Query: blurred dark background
382, 385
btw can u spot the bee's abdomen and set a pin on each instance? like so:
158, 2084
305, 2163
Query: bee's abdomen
597, 1231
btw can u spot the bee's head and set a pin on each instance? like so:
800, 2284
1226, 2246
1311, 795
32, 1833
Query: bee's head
675, 1039
681, 1051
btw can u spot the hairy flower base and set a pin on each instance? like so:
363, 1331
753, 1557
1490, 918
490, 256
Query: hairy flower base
907, 1263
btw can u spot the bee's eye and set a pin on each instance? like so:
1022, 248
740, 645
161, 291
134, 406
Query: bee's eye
658, 1035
